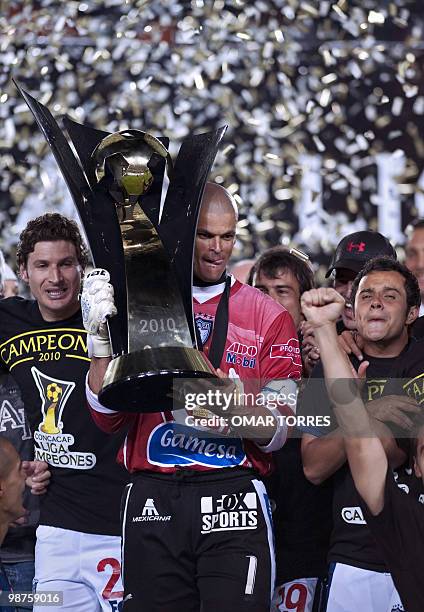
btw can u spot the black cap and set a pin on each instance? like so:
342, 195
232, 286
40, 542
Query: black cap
354, 250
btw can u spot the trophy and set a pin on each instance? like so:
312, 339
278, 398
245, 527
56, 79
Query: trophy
116, 181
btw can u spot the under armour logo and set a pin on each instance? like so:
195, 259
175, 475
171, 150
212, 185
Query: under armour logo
359, 247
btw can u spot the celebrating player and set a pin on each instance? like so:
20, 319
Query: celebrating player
302, 516
43, 344
386, 299
197, 532
394, 515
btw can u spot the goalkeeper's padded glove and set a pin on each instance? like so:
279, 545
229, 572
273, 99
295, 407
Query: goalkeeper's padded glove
97, 304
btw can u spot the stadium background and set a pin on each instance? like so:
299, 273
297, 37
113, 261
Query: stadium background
324, 102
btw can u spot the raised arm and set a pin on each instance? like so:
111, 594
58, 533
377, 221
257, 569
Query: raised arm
365, 451
97, 304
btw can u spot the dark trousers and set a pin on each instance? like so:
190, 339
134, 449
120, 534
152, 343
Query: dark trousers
197, 541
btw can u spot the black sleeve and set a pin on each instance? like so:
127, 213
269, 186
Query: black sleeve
315, 404
399, 533
398, 525
409, 377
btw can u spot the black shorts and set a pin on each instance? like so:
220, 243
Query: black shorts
197, 541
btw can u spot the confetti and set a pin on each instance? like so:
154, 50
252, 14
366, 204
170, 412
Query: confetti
341, 80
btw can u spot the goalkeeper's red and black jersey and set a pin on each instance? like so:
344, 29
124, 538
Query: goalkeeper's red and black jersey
49, 362
261, 346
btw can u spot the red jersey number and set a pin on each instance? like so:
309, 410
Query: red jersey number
108, 592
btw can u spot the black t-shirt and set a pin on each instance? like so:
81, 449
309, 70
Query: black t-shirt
408, 376
417, 328
399, 532
302, 517
351, 541
19, 542
49, 362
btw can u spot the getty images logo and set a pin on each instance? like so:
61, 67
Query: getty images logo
149, 513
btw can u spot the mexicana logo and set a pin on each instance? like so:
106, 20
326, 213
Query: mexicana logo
175, 444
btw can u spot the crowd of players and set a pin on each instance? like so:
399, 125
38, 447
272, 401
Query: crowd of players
196, 507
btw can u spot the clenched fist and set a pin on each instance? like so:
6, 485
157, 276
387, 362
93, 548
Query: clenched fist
322, 306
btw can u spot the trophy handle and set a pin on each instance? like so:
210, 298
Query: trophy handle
85, 139
178, 223
96, 211
105, 239
72, 172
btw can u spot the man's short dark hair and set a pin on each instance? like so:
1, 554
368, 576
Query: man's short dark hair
387, 264
277, 259
50, 227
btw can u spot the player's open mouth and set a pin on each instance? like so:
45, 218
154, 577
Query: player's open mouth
348, 310
56, 294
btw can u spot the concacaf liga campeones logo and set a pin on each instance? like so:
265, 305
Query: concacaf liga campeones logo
51, 440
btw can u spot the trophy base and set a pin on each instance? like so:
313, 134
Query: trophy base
142, 381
